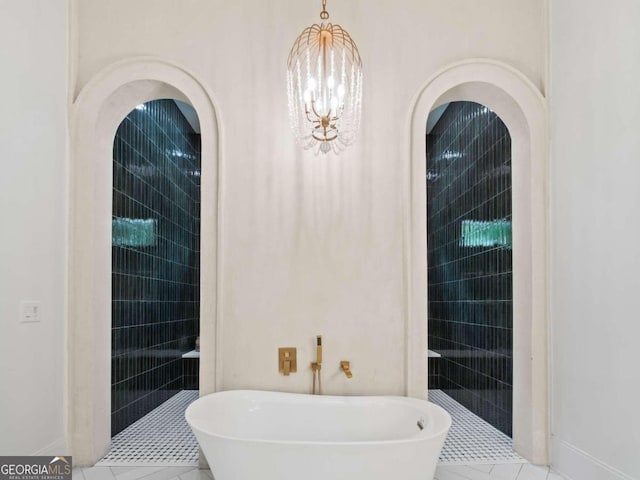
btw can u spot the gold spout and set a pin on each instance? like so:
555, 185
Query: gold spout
344, 365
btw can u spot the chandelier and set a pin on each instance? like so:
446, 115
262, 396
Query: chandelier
324, 86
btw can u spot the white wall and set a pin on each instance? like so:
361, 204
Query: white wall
33, 133
595, 238
311, 245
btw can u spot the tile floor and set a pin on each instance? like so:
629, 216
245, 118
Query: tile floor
471, 440
160, 438
510, 471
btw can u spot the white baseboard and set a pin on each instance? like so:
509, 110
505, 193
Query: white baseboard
575, 464
59, 447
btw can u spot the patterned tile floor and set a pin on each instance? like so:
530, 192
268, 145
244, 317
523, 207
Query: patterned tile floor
171, 453
471, 440
160, 438
163, 437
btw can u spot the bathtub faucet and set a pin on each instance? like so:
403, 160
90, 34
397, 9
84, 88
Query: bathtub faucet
316, 366
345, 366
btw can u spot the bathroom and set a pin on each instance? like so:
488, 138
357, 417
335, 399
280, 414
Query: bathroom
294, 245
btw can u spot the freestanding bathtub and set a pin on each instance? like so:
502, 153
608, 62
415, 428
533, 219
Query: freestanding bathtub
252, 435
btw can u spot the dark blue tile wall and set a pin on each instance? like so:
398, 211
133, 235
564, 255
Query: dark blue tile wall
469, 257
156, 258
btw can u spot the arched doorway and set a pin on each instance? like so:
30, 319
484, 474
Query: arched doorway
470, 288
523, 110
97, 112
155, 305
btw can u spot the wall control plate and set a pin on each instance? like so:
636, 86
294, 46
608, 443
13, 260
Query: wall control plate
287, 354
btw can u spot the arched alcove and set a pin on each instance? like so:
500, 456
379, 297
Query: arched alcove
523, 109
95, 116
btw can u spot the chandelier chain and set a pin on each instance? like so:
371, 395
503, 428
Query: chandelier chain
324, 15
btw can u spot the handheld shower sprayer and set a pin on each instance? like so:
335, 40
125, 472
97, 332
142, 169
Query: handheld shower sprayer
316, 366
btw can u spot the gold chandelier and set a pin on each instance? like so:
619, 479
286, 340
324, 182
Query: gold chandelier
324, 86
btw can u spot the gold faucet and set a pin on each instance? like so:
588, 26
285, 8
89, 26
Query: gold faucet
344, 365
316, 366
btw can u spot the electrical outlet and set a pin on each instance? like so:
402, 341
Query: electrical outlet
30, 312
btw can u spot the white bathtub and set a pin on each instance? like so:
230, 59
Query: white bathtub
250, 435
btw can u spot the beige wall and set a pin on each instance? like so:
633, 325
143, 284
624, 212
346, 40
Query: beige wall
595, 230
311, 245
33, 209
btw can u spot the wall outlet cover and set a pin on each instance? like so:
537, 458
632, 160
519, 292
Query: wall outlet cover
30, 312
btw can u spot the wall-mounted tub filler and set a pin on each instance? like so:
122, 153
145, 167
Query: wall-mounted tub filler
346, 368
249, 435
